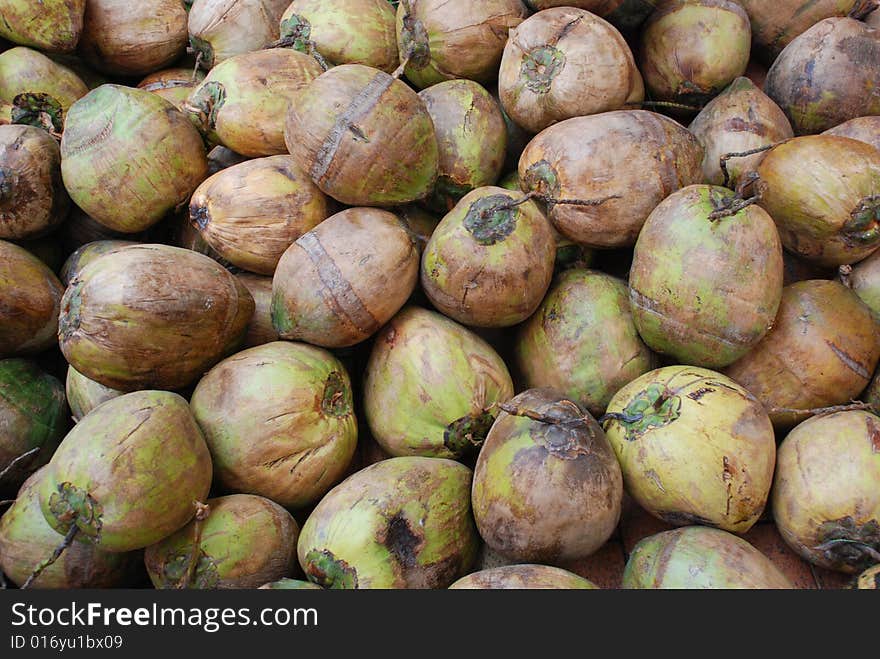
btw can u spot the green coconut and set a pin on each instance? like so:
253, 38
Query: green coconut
279, 421
431, 386
33, 419
242, 103
826, 503
343, 31
129, 157
26, 538
864, 280
53, 25
365, 138
548, 490
239, 541
582, 340
24, 70
471, 137
33, 200
128, 473
152, 316
694, 447
697, 557
84, 395
30, 299
490, 261
523, 577
706, 277
401, 523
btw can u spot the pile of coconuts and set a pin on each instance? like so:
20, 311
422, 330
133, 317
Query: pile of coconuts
438, 293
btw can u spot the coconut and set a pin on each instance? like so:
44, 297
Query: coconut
400, 523
343, 31
864, 280
822, 192
863, 129
694, 447
84, 395
88, 253
823, 77
471, 137
490, 261
242, 542
128, 473
692, 49
548, 490
33, 200
252, 212
243, 101
120, 37
260, 330
279, 422
128, 157
777, 24
152, 316
603, 175
821, 351
365, 138
523, 577
582, 340
739, 120
174, 85
290, 584
442, 39
53, 25
706, 277
26, 537
23, 70
431, 386
564, 63
33, 419
697, 557
342, 281
29, 302
826, 502
220, 29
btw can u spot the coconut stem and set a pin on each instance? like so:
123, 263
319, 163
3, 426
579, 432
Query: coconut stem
550, 419
823, 411
400, 69
68, 540
195, 74
734, 207
665, 104
202, 512
863, 546
12, 464
863, 8
742, 154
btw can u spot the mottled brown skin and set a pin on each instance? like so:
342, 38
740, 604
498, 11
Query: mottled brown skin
340, 283
464, 39
26, 539
471, 137
821, 191
863, 129
260, 329
152, 316
246, 541
557, 497
30, 298
636, 156
519, 577
88, 253
33, 200
220, 29
124, 38
776, 24
821, 351
692, 49
740, 119
497, 284
364, 149
595, 70
174, 85
828, 75
252, 212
